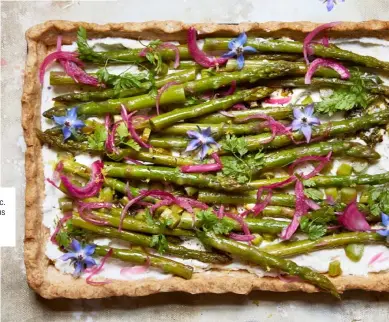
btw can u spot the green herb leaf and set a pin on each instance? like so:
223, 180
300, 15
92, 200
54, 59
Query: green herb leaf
63, 239
153, 55
315, 225
132, 144
241, 166
84, 50
148, 218
159, 242
346, 98
97, 140
210, 222
314, 194
122, 81
378, 200
235, 145
314, 231
236, 169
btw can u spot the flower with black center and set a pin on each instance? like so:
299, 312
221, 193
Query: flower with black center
80, 257
304, 120
70, 123
237, 48
201, 140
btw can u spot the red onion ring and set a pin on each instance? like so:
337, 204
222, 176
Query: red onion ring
330, 63
91, 188
312, 35
60, 223
201, 168
198, 55
160, 92
98, 269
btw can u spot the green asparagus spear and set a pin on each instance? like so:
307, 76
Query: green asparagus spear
278, 113
217, 129
284, 157
138, 257
250, 76
293, 248
131, 224
324, 132
178, 77
174, 94
154, 173
267, 261
275, 56
296, 47
214, 197
298, 68
165, 120
330, 181
145, 241
255, 225
128, 55
56, 141
326, 82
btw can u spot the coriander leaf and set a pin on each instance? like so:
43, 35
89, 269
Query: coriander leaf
210, 222
97, 140
148, 218
122, 131
132, 144
378, 200
315, 225
165, 222
122, 81
63, 239
313, 230
314, 194
159, 242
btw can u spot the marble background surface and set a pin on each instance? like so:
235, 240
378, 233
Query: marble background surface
19, 303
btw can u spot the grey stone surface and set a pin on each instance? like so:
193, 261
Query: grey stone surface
19, 303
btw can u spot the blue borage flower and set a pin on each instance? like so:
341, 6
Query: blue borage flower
331, 4
236, 49
80, 257
385, 223
201, 139
304, 120
70, 123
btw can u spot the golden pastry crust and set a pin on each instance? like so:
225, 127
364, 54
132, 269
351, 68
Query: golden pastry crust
41, 274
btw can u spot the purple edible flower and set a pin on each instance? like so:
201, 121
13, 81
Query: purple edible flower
304, 120
201, 139
70, 123
80, 257
236, 49
331, 4
385, 223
